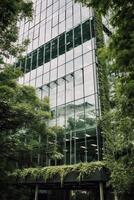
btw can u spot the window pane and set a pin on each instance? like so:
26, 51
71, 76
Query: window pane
79, 114
62, 44
53, 75
70, 123
61, 92
53, 94
40, 55
61, 116
61, 71
23, 64
38, 81
88, 80
92, 28
69, 67
45, 78
88, 58
33, 74
34, 59
54, 48
90, 114
77, 36
69, 38
28, 63
69, 88
78, 63
47, 52
86, 31
78, 84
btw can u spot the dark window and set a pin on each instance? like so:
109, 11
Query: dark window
23, 64
34, 59
17, 64
47, 52
77, 36
86, 31
41, 55
62, 44
54, 48
28, 63
44, 51
92, 28
69, 38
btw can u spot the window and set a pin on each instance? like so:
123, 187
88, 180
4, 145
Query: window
78, 84
61, 92
54, 48
69, 67
92, 28
51, 48
47, 52
23, 64
62, 44
77, 36
69, 88
78, 63
34, 59
28, 63
69, 38
40, 55
89, 81
86, 31
61, 71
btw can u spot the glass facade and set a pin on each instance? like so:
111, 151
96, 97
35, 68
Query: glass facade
60, 62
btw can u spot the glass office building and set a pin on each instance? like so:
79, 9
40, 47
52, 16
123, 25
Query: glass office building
61, 63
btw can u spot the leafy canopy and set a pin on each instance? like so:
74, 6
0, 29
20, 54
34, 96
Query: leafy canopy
11, 12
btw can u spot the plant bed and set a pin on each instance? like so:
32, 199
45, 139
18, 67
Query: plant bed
93, 171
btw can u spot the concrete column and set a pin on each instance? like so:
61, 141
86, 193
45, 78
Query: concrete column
101, 191
115, 195
36, 193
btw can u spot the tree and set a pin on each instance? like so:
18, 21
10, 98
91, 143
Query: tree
24, 130
23, 116
11, 12
21, 112
117, 122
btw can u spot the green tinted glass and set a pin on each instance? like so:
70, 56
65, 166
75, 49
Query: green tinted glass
92, 28
86, 31
28, 63
62, 44
41, 55
23, 64
69, 39
47, 52
77, 36
54, 48
34, 59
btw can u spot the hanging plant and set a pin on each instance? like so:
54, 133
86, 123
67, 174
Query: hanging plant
48, 173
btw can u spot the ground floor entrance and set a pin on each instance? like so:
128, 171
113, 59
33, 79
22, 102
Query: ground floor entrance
69, 195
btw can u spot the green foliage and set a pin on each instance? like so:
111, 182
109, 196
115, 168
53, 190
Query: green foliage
117, 97
47, 173
20, 107
23, 118
10, 13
